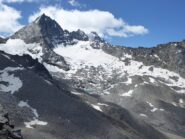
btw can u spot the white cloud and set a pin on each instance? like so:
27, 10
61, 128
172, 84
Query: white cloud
75, 3
9, 19
102, 22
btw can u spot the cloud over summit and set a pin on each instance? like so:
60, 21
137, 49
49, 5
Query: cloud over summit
102, 22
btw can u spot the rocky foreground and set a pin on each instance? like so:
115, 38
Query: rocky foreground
7, 130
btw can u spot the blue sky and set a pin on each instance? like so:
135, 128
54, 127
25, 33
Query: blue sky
148, 22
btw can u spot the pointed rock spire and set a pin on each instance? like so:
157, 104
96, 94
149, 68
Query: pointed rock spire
43, 28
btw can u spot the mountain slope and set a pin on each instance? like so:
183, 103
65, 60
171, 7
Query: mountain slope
136, 92
43, 108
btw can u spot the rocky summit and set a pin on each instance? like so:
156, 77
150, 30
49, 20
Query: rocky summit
57, 84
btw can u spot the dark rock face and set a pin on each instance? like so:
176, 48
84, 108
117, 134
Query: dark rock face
2, 40
79, 35
7, 130
50, 29
44, 28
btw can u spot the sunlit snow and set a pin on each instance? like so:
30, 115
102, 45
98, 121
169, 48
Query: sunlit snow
143, 115
127, 94
35, 122
19, 47
82, 55
96, 107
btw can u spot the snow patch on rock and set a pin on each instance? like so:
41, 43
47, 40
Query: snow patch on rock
76, 93
25, 104
12, 83
102, 104
152, 80
181, 101
35, 122
128, 94
96, 107
153, 107
48, 82
129, 81
143, 115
